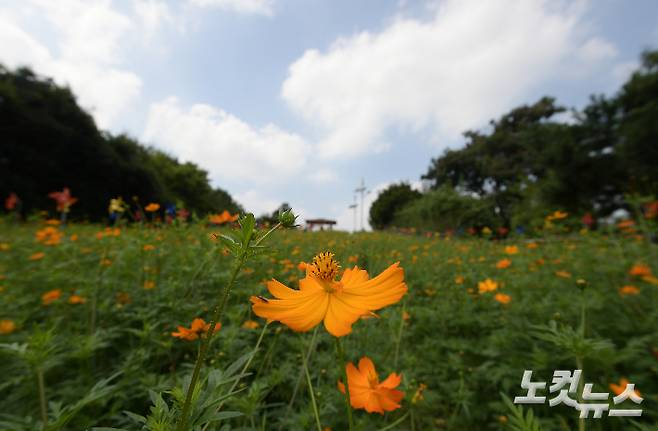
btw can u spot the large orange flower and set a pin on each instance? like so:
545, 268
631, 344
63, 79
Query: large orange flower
338, 303
367, 393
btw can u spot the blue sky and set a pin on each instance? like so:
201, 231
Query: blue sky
297, 100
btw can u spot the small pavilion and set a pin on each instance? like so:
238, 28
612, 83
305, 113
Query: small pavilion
319, 222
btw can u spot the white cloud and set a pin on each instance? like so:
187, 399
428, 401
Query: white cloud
223, 144
323, 176
255, 202
469, 63
85, 52
258, 7
152, 15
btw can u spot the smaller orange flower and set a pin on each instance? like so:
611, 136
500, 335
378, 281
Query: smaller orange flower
149, 284
106, 262
301, 266
406, 316
504, 263
51, 296
148, 247
152, 207
487, 285
618, 389
77, 299
459, 279
502, 298
640, 270
418, 395
532, 245
7, 326
650, 279
37, 256
222, 218
4, 246
563, 274
198, 327
250, 324
511, 249
367, 393
629, 290
74, 237
123, 299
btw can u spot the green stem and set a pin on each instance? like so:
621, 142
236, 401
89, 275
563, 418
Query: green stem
244, 370
399, 339
182, 425
396, 423
310, 384
309, 352
42, 398
341, 364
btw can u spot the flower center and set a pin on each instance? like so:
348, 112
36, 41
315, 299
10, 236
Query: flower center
324, 266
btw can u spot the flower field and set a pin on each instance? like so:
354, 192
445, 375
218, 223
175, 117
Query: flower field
101, 328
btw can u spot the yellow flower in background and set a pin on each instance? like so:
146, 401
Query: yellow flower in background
557, 215
149, 284
338, 303
117, 205
459, 279
511, 249
487, 285
250, 324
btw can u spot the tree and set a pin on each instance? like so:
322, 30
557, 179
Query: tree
396, 196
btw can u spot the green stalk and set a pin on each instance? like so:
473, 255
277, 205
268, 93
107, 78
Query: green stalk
309, 383
396, 423
244, 370
341, 364
182, 425
42, 398
399, 338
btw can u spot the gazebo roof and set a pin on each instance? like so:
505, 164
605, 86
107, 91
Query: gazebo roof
320, 221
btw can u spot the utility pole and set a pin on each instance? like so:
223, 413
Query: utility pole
362, 190
353, 208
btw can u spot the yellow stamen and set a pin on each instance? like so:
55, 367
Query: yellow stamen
324, 266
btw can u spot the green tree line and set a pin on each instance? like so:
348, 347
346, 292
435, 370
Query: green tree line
529, 162
47, 142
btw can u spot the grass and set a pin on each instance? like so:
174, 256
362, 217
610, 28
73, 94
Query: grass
84, 365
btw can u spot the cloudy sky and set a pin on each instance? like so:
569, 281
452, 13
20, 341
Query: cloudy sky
297, 100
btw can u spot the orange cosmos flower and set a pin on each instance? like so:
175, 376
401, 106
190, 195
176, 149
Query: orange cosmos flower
49, 235
51, 296
77, 299
148, 247
338, 303
504, 263
224, 217
618, 389
502, 298
37, 256
629, 290
250, 324
640, 270
149, 284
487, 285
152, 207
557, 215
7, 326
198, 327
563, 274
511, 249
367, 393
459, 279
301, 266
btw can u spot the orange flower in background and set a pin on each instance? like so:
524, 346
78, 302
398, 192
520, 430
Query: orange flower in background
7, 326
487, 285
224, 217
504, 263
563, 274
418, 395
11, 201
77, 299
459, 279
198, 327
152, 207
618, 389
651, 210
640, 270
63, 199
49, 235
250, 324
148, 247
502, 298
37, 256
148, 284
511, 249
367, 393
629, 290
650, 279
532, 245
301, 266
338, 303
557, 215
51, 296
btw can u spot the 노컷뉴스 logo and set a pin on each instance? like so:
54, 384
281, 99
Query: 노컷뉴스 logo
565, 383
